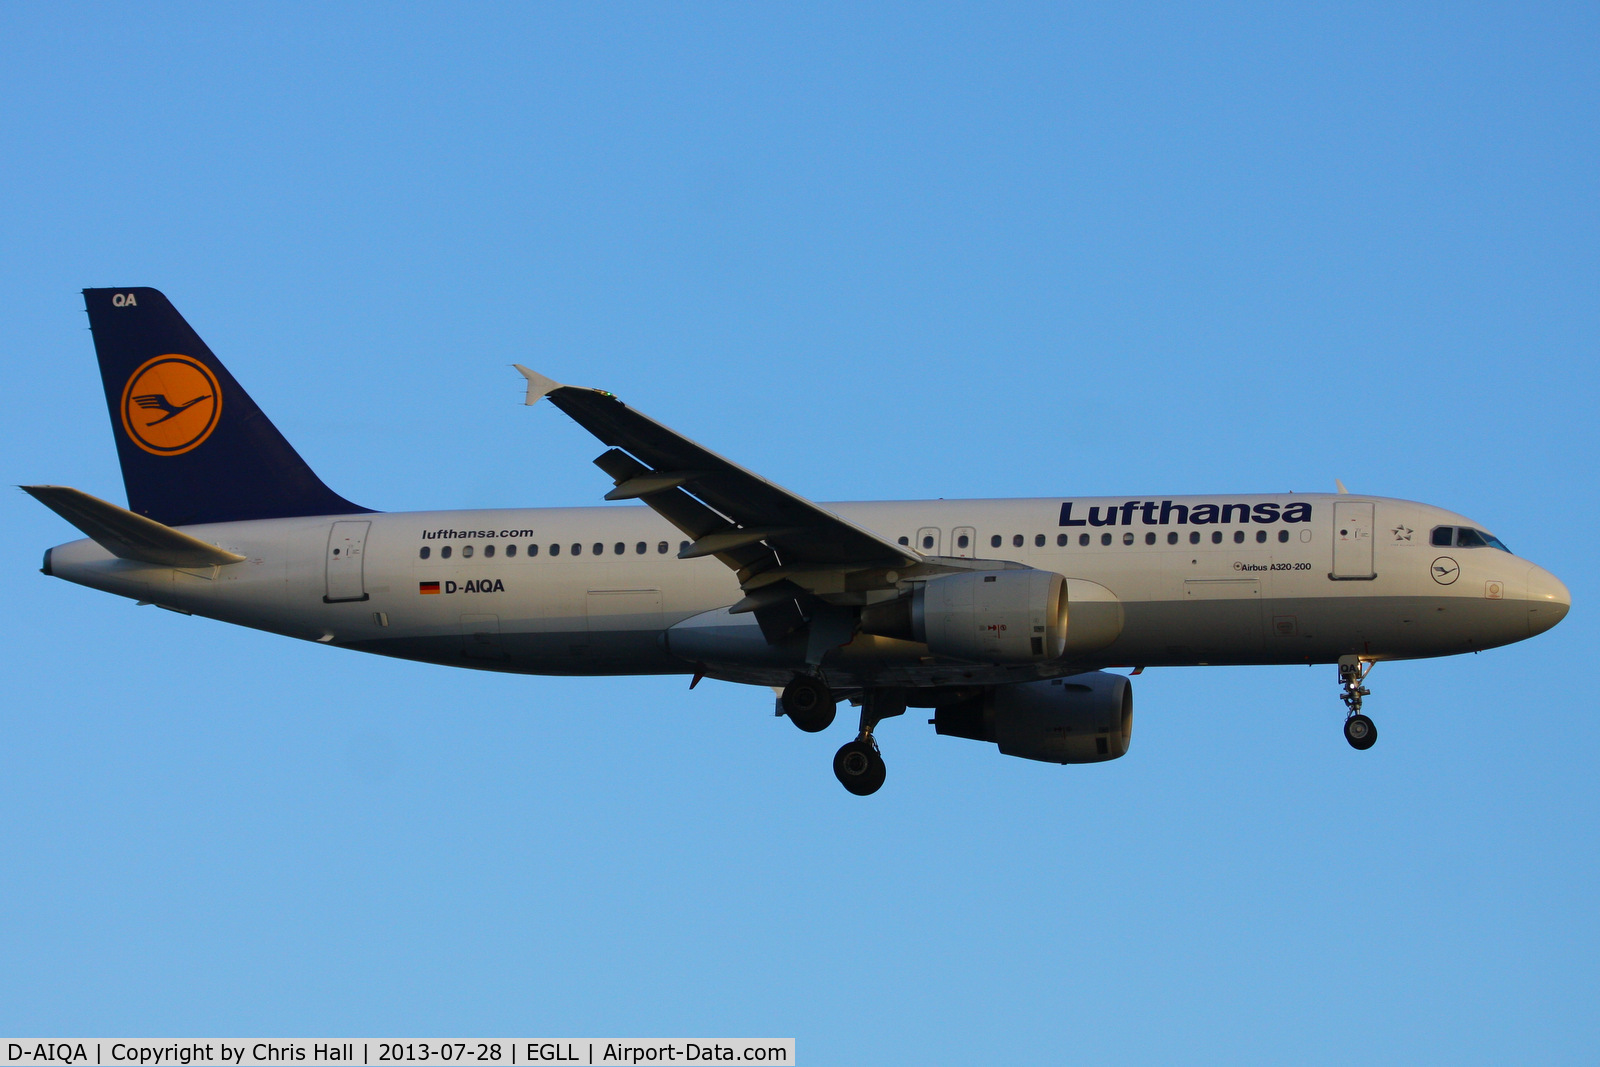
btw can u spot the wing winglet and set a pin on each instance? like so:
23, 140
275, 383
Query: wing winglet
538, 385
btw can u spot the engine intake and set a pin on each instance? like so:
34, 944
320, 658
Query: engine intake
1085, 718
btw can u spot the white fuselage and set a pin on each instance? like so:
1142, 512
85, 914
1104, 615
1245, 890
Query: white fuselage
598, 590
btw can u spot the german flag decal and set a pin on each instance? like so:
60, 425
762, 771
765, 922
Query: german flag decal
428, 587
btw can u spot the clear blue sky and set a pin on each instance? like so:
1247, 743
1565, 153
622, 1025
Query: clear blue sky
869, 251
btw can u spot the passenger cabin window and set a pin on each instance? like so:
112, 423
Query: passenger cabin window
927, 541
533, 550
1172, 537
1238, 537
683, 546
425, 553
466, 551
619, 548
577, 549
599, 549
1127, 538
1105, 539
661, 548
1150, 538
639, 549
994, 542
1194, 537
444, 553
1061, 540
511, 550
1283, 536
1216, 537
555, 550
488, 552
963, 541
905, 541
1083, 539
1261, 537
1016, 540
1038, 540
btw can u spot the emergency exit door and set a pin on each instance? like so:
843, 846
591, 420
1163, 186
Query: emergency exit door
347, 543
1352, 541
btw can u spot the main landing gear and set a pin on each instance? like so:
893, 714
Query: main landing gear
1358, 729
809, 703
858, 765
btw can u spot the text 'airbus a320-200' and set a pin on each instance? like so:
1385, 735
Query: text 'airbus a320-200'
1000, 615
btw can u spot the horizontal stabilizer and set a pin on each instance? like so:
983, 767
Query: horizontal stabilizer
127, 535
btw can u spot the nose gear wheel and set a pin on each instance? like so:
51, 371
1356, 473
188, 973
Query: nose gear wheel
1359, 731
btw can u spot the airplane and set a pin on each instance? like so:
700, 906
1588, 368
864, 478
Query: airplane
1007, 618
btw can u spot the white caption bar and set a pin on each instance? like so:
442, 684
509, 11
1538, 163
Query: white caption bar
381, 1052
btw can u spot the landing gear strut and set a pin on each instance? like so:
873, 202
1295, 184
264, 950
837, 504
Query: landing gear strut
1358, 729
858, 765
809, 703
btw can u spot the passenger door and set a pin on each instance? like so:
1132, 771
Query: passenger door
347, 543
1352, 541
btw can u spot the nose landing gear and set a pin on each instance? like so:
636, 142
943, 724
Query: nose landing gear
1358, 729
858, 765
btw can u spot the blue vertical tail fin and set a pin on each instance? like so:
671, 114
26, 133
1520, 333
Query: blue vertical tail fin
194, 447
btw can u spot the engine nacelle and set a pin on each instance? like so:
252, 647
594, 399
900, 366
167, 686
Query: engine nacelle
1010, 616
1015, 616
1085, 718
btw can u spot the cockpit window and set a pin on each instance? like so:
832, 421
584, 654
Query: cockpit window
1466, 537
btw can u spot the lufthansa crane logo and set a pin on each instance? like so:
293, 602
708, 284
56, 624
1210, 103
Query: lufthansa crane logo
171, 404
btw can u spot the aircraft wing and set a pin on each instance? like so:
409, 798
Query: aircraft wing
779, 542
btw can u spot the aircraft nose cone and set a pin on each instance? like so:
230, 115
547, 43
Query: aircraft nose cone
1548, 600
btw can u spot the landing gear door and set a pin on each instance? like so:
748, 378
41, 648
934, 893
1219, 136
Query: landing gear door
347, 544
1352, 542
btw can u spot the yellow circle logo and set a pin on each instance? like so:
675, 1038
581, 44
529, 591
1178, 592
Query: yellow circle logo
170, 405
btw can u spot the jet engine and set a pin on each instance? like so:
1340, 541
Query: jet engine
1013, 616
1084, 718
1008, 616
